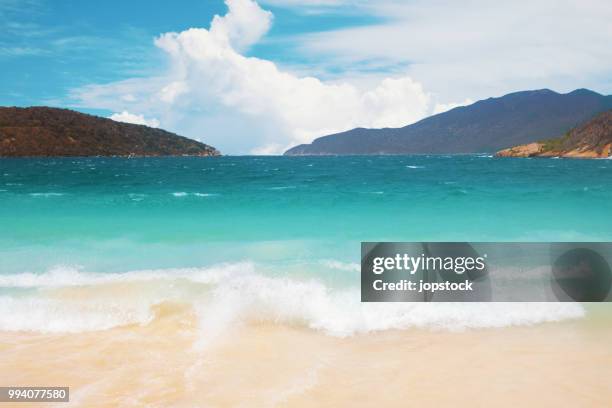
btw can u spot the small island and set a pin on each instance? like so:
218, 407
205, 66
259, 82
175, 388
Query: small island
590, 140
53, 132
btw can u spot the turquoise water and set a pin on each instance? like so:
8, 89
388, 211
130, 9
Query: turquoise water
298, 218
168, 203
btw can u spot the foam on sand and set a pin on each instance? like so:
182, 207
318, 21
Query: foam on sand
68, 300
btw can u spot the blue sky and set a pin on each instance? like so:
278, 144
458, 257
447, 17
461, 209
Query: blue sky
280, 72
49, 47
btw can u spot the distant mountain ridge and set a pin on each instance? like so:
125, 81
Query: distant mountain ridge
47, 132
592, 139
485, 126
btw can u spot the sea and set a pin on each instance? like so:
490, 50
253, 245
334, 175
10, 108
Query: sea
270, 239
235, 281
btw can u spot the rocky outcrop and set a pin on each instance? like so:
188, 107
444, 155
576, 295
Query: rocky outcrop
526, 150
590, 140
47, 132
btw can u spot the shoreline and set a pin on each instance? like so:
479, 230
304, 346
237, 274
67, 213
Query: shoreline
169, 362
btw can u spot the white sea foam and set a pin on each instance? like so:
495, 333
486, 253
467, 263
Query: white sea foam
137, 196
341, 266
415, 167
46, 194
69, 276
66, 316
341, 313
227, 294
185, 194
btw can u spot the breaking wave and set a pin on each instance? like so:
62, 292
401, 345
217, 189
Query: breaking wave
66, 299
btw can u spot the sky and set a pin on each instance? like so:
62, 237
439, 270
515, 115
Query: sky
259, 77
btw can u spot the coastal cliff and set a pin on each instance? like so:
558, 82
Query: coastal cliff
590, 140
49, 132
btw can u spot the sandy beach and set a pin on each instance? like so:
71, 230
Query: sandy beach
165, 363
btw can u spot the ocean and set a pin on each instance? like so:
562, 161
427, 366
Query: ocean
114, 256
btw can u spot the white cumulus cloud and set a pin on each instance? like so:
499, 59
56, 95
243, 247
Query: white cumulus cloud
213, 92
128, 117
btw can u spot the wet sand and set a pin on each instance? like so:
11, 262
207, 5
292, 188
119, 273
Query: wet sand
168, 362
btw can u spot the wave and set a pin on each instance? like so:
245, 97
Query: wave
46, 194
185, 194
65, 316
137, 196
66, 299
341, 266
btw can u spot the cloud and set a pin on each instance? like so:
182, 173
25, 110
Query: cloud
306, 3
243, 25
444, 107
479, 48
21, 51
313, 6
212, 91
128, 117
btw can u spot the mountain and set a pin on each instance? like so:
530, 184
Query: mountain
485, 126
593, 139
43, 131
